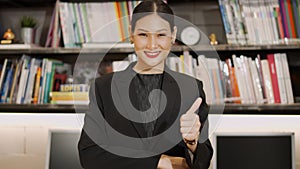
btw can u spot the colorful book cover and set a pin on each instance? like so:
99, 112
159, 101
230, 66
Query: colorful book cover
291, 19
284, 19
51, 28
274, 79
260, 75
279, 22
37, 85
23, 78
296, 15
86, 24
15, 82
287, 78
3, 73
125, 19
118, 12
233, 82
74, 88
267, 81
280, 77
7, 83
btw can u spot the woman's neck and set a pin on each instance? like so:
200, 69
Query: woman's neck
145, 69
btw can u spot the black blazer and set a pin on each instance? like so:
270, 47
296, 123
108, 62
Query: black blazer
107, 99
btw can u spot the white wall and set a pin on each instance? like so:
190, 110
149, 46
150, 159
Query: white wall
24, 136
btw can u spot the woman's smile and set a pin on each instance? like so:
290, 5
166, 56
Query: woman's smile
152, 54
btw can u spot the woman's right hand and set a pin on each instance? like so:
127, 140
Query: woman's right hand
164, 163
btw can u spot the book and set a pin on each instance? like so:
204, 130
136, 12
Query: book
23, 80
244, 61
267, 81
203, 74
2, 76
69, 96
280, 78
15, 83
6, 87
74, 87
256, 82
36, 87
18, 46
233, 81
241, 80
287, 78
274, 79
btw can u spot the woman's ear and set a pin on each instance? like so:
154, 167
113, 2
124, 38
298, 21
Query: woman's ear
174, 34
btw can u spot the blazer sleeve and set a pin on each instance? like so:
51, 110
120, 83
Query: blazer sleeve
89, 151
204, 151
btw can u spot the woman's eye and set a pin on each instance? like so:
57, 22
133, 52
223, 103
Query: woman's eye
142, 34
162, 34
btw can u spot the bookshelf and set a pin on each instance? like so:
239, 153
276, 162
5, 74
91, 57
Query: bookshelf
178, 48
191, 9
251, 109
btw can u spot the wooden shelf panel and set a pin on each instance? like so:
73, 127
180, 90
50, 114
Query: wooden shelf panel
41, 50
283, 109
41, 108
290, 109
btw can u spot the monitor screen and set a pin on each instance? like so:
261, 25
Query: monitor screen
254, 151
62, 150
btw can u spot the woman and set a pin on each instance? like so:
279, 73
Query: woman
130, 123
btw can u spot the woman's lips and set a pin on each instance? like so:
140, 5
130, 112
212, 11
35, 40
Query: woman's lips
152, 54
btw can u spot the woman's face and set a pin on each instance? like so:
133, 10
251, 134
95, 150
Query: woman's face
152, 38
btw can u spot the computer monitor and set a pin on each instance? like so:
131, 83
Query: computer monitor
62, 150
254, 150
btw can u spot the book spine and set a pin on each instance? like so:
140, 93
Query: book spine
48, 81
280, 77
85, 23
291, 19
7, 84
22, 83
37, 85
280, 23
3, 72
287, 78
296, 13
15, 82
274, 79
284, 19
233, 81
267, 81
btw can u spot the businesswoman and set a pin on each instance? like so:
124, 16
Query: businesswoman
147, 110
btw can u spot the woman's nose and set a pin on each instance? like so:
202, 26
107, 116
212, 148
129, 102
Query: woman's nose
152, 42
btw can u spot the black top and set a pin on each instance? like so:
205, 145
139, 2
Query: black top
142, 85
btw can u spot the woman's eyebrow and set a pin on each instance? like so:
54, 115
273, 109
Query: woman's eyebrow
144, 30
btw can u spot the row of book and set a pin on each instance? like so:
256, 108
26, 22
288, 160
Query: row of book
71, 94
260, 80
237, 79
30, 80
90, 22
258, 22
240, 79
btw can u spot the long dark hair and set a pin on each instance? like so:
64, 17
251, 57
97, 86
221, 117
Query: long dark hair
148, 7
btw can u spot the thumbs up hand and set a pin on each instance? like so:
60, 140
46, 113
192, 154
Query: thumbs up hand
190, 125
